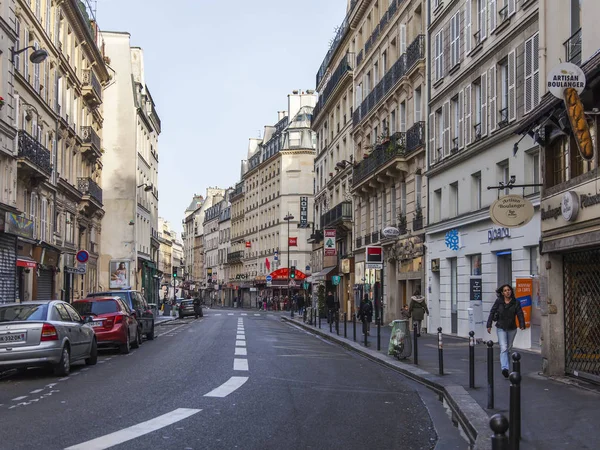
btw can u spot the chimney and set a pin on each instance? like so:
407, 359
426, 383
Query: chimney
295, 92
280, 115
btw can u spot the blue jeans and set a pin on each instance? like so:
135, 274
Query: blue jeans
505, 339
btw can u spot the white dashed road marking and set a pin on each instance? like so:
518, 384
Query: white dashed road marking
230, 314
228, 387
219, 314
240, 351
36, 391
18, 399
240, 364
240, 343
135, 431
240, 336
244, 314
257, 314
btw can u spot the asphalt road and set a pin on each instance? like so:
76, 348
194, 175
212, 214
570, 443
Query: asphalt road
230, 380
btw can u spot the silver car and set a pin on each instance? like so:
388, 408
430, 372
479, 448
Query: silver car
45, 333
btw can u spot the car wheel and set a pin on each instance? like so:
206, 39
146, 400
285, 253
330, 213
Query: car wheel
93, 358
63, 368
150, 335
126, 347
138, 339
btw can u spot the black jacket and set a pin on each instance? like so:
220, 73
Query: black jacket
504, 315
330, 301
365, 312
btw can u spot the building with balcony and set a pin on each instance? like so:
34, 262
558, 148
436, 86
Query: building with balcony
235, 256
192, 223
389, 147
226, 293
569, 264
332, 123
59, 180
166, 236
130, 195
212, 262
484, 78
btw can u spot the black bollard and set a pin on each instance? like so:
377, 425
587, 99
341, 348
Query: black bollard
365, 332
515, 410
440, 351
472, 359
354, 325
337, 323
490, 367
345, 326
319, 315
379, 334
516, 357
499, 425
330, 318
415, 345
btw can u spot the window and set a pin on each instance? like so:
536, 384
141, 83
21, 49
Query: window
439, 132
384, 62
468, 27
476, 191
384, 221
478, 115
44, 220
62, 313
403, 117
437, 205
376, 214
33, 214
456, 117
454, 199
532, 73
417, 100
475, 264
455, 40
503, 110
418, 187
532, 174
403, 197
481, 34
393, 211
402, 38
439, 56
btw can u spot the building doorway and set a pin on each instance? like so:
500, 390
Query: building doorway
504, 267
454, 295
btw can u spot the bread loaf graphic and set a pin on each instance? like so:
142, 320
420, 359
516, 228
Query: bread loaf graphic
579, 125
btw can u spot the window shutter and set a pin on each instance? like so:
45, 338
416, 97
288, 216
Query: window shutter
44, 219
493, 15
468, 127
511, 7
492, 94
17, 44
528, 75
442, 53
484, 104
461, 100
402, 39
512, 91
468, 32
457, 44
36, 72
536, 70
432, 149
484, 20
26, 56
446, 118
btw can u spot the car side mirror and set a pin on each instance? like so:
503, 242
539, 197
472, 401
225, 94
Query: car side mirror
89, 319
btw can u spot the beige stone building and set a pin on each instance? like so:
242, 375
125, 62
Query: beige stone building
166, 236
237, 248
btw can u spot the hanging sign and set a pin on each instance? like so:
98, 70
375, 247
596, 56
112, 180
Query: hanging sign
303, 212
248, 244
330, 249
293, 241
511, 211
564, 76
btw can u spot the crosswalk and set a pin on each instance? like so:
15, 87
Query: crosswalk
242, 314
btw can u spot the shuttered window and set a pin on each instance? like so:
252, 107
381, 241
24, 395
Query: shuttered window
402, 39
455, 40
512, 89
439, 55
468, 27
44, 220
481, 20
493, 19
532, 73
492, 96
446, 130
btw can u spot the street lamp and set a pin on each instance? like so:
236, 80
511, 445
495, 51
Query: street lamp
147, 188
288, 219
344, 163
38, 55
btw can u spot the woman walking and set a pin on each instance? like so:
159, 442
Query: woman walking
505, 310
365, 314
417, 309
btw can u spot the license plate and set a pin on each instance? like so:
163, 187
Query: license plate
17, 337
96, 324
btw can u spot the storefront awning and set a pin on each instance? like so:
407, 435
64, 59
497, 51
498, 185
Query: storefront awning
29, 263
324, 274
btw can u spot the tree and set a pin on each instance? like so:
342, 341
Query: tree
321, 300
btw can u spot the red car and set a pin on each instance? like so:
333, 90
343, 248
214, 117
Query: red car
114, 323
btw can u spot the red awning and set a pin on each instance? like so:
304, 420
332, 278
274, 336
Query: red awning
282, 274
29, 263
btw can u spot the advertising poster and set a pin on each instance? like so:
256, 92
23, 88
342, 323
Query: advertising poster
524, 295
119, 274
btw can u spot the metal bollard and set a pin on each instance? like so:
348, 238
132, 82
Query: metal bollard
365, 332
354, 325
415, 345
319, 315
330, 318
514, 410
499, 425
490, 367
337, 323
440, 351
345, 325
379, 334
472, 359
516, 357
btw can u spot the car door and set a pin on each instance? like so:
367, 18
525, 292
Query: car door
147, 315
69, 330
137, 308
85, 333
131, 322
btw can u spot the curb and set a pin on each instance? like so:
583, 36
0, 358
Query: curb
472, 417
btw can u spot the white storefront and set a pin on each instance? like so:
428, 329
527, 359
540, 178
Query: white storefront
471, 258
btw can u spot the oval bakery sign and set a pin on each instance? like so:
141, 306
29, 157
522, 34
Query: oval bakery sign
511, 211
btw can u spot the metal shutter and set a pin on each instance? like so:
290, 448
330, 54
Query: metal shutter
8, 268
44, 285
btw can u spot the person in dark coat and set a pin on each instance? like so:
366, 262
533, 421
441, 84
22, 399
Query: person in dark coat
365, 314
300, 304
505, 312
330, 302
417, 309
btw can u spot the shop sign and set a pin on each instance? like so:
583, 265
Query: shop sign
335, 280
119, 274
475, 290
18, 225
435, 265
359, 272
293, 241
374, 255
569, 206
452, 240
391, 232
345, 266
248, 244
564, 76
511, 211
329, 245
498, 233
303, 212
524, 294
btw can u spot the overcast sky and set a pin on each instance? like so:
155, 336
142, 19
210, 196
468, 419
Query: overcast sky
219, 71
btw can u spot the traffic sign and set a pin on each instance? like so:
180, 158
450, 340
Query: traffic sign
292, 283
82, 256
81, 268
335, 280
269, 278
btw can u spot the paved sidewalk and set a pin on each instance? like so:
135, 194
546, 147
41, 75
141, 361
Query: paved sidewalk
555, 413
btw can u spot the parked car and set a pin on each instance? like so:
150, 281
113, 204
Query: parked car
114, 323
45, 333
186, 308
136, 302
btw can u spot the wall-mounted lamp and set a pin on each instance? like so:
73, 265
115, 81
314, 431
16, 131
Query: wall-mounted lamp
38, 55
343, 163
147, 188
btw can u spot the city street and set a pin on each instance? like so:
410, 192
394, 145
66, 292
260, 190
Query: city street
230, 380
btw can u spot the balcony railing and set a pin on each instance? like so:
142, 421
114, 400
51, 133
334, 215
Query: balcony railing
415, 137
87, 186
375, 235
345, 66
90, 137
477, 131
359, 58
235, 256
503, 117
379, 157
573, 48
414, 52
34, 152
418, 223
342, 212
90, 79
367, 239
358, 243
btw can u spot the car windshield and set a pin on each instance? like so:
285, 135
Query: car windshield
97, 308
122, 295
15, 313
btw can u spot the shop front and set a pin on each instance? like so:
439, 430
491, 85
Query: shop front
150, 281
8, 255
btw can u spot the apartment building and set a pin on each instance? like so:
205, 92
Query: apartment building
132, 127
388, 121
59, 74
332, 122
279, 177
211, 250
166, 236
191, 221
484, 72
569, 265
235, 254
225, 293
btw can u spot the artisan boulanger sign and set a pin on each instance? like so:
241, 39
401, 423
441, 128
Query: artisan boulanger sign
569, 206
511, 211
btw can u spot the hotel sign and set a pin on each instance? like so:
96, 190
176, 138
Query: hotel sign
303, 212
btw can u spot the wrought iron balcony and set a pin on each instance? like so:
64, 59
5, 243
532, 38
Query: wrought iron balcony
92, 89
415, 137
375, 236
358, 243
380, 157
237, 192
573, 48
90, 188
339, 36
316, 237
91, 141
34, 156
367, 239
234, 257
345, 66
342, 212
418, 222
359, 57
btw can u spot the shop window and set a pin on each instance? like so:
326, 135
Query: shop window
475, 264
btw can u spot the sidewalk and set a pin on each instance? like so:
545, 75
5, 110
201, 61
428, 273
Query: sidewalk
555, 414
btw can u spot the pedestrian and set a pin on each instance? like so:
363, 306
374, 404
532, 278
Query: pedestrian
405, 313
365, 314
505, 310
301, 304
417, 309
330, 302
